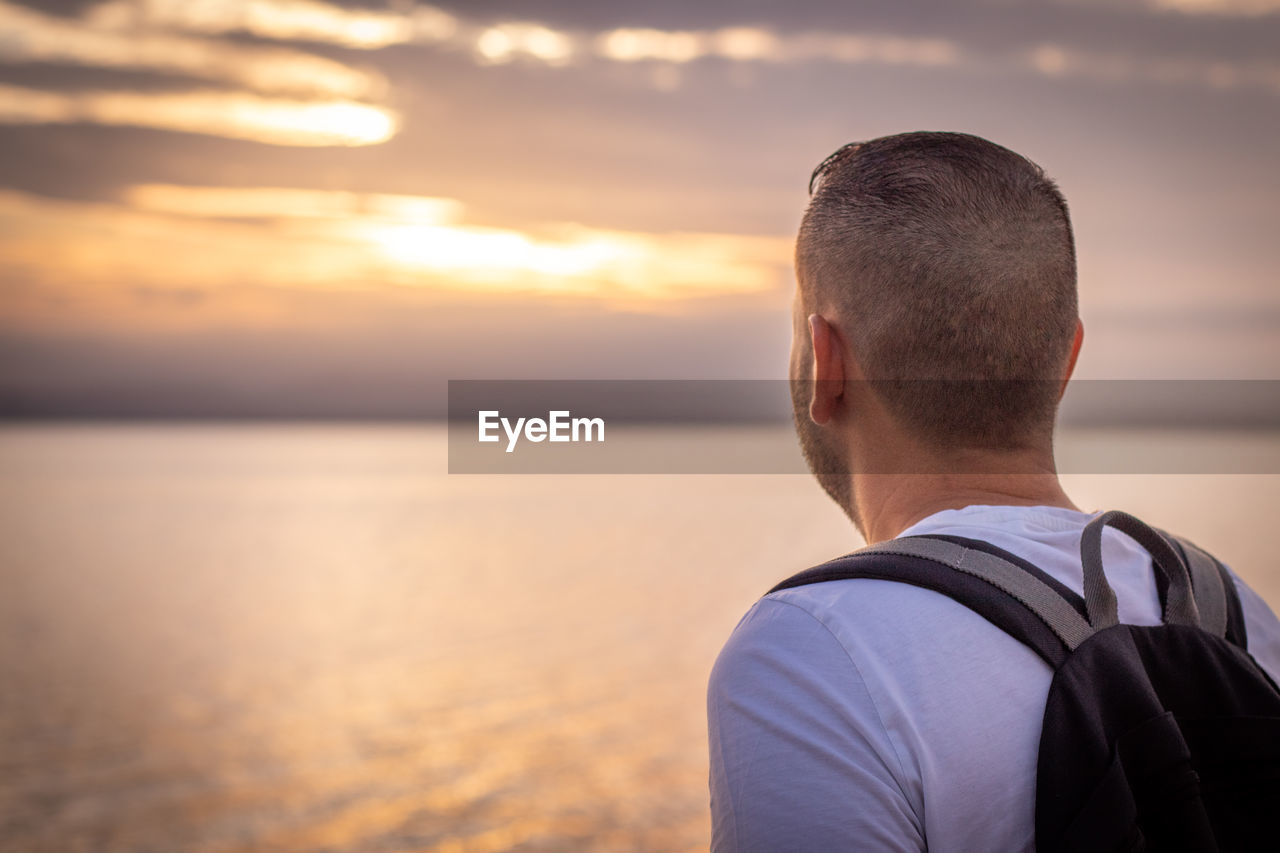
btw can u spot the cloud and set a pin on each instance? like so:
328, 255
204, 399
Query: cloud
585, 261
667, 49
28, 36
234, 115
141, 34
510, 41
281, 20
756, 44
183, 37
505, 42
289, 203
424, 240
1053, 60
168, 236
1217, 8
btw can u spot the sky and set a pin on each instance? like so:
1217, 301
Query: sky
221, 207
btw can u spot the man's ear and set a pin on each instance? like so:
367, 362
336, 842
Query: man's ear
1071, 360
828, 370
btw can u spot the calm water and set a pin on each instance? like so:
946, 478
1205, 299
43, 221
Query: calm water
312, 638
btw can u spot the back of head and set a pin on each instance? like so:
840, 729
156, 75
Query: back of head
950, 264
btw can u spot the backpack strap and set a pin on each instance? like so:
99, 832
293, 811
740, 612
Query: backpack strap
1194, 587
1072, 597
1179, 603
1216, 596
1014, 600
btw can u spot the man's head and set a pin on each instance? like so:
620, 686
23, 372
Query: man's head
942, 268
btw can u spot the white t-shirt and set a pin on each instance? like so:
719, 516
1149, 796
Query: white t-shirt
873, 715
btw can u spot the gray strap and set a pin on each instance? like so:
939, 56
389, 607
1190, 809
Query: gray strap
1099, 598
1180, 605
1206, 583
1039, 597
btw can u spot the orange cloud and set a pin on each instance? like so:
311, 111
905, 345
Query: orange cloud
211, 237
289, 203
236, 115
284, 20
29, 36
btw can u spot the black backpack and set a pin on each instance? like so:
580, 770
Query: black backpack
1156, 738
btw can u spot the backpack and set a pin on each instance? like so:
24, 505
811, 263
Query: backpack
1163, 737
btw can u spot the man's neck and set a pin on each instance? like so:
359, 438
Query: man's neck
887, 504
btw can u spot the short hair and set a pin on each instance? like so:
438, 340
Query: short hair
951, 263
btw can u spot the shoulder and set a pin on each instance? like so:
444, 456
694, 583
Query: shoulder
880, 629
800, 757
875, 693
782, 646
1261, 625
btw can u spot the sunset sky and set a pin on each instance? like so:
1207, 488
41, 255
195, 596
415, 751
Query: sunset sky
296, 206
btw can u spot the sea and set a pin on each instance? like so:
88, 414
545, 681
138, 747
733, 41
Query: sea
313, 637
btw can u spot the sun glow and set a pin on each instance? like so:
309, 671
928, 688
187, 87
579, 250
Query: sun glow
571, 258
284, 237
490, 254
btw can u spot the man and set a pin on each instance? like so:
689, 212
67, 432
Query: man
935, 330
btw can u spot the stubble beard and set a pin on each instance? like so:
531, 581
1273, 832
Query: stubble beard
826, 461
